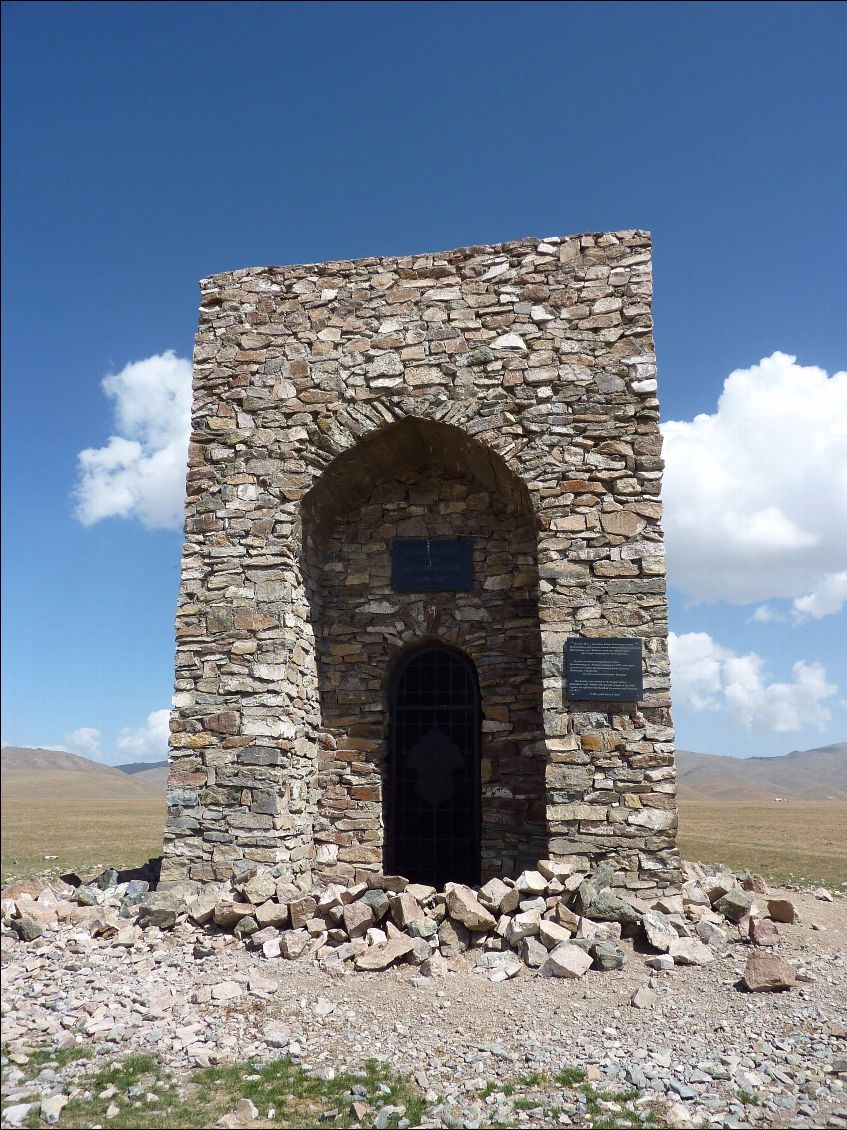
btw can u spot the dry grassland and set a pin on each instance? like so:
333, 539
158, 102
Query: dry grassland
791, 841
80, 832
795, 841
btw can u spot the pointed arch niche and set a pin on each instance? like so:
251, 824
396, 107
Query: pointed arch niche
419, 478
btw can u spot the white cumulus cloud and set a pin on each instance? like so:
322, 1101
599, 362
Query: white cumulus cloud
829, 598
756, 493
140, 472
142, 743
85, 741
765, 614
147, 743
707, 676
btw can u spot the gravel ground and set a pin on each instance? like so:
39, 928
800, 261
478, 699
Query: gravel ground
703, 1053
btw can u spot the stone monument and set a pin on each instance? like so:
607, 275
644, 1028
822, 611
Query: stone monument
422, 622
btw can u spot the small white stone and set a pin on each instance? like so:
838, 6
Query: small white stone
442, 294
644, 388
271, 948
643, 997
524, 925
566, 960
386, 365
276, 1035
227, 991
531, 882
677, 1115
663, 962
245, 1111
539, 315
52, 1107
17, 1114
509, 341
262, 984
495, 271
691, 951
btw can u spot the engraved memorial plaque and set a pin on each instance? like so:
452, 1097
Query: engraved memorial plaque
603, 670
431, 564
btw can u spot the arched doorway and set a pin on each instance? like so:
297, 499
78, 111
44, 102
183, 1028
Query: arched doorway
432, 797
420, 478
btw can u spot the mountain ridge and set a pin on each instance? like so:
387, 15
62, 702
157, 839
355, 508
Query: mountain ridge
31, 772
818, 774
135, 767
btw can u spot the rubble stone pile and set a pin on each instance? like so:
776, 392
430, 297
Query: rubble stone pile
557, 920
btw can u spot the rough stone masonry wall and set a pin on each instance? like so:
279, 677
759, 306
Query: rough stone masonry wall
362, 626
539, 351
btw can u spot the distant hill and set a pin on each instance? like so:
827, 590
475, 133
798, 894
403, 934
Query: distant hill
28, 774
136, 767
155, 776
32, 760
811, 774
152, 773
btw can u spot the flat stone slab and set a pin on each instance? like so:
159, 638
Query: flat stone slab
690, 951
380, 957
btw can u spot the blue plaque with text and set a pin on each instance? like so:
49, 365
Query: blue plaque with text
431, 564
603, 670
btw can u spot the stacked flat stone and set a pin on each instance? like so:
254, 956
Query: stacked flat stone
504, 392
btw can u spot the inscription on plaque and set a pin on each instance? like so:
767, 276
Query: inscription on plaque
431, 564
604, 670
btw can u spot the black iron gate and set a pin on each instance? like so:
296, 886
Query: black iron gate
433, 790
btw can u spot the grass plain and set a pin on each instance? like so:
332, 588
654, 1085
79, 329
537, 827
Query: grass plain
794, 841
797, 841
80, 831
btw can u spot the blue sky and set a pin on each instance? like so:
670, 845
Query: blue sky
148, 145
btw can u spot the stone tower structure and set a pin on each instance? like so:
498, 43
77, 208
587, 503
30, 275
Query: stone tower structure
423, 498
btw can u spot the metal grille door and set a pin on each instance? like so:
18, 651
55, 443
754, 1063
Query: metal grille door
432, 820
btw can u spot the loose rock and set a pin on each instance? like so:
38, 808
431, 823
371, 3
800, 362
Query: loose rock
566, 960
768, 973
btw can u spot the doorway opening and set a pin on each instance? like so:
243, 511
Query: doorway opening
432, 809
